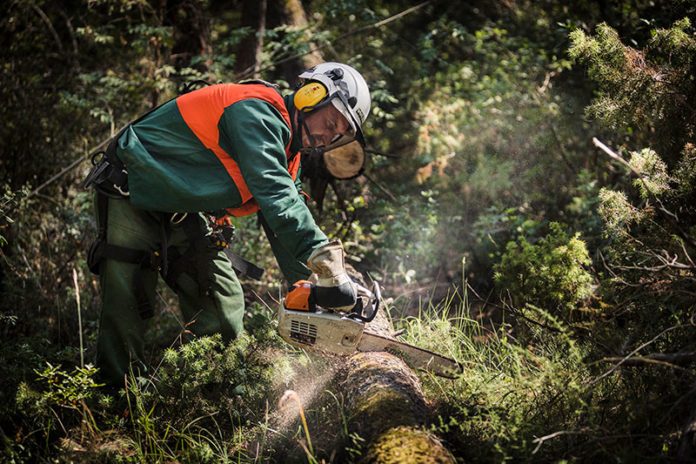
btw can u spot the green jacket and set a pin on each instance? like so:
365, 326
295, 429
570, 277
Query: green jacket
188, 156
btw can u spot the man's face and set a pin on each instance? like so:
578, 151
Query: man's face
325, 125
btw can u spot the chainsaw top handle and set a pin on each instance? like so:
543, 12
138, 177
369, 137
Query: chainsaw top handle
366, 312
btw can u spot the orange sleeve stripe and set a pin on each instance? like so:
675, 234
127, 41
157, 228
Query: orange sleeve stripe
294, 166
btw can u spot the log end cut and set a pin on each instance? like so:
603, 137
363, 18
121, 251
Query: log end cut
406, 445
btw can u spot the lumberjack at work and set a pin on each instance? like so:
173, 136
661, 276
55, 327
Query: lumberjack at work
168, 181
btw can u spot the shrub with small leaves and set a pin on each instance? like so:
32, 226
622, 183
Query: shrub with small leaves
57, 400
654, 177
650, 89
685, 175
207, 377
67, 389
551, 274
617, 212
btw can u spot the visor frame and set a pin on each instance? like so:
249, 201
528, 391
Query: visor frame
338, 91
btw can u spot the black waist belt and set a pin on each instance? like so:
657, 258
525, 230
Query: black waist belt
218, 240
168, 261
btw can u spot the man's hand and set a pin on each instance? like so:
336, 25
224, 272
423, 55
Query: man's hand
334, 289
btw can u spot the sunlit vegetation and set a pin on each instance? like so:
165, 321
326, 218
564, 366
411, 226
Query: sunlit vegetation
528, 207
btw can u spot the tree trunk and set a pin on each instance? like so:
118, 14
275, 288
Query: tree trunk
687, 444
248, 61
191, 33
386, 408
292, 13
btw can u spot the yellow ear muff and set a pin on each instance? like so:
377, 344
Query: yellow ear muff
309, 95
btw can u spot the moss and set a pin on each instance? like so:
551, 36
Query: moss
383, 410
406, 445
383, 393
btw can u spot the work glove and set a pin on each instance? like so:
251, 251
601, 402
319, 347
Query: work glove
334, 289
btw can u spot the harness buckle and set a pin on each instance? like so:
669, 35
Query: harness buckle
228, 233
97, 173
120, 188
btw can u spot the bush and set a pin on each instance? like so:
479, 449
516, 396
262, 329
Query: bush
551, 274
509, 394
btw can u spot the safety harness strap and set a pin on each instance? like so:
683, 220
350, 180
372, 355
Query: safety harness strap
193, 261
168, 261
101, 250
243, 266
202, 248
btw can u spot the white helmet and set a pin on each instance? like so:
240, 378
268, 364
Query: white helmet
346, 90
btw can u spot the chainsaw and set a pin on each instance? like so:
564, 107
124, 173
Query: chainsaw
304, 324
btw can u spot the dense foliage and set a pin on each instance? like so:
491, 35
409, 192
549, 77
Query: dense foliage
528, 206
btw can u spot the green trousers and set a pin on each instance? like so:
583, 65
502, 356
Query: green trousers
219, 308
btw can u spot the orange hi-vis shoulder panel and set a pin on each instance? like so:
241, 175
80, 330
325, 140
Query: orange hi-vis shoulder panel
202, 110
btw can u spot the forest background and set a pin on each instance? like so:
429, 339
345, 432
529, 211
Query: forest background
528, 206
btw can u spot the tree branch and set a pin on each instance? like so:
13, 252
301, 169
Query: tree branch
667, 359
630, 355
666, 214
49, 24
540, 441
376, 25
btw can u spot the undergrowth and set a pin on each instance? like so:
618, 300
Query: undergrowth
537, 391
206, 402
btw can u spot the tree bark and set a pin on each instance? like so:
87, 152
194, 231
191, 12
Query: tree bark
385, 404
249, 53
292, 13
687, 444
386, 407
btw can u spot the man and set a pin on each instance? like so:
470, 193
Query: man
223, 149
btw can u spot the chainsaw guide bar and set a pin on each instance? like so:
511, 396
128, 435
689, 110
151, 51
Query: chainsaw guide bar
415, 357
335, 333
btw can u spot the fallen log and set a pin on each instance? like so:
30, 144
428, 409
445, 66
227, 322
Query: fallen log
385, 406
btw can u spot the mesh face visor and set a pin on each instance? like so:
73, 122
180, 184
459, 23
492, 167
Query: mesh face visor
344, 159
340, 101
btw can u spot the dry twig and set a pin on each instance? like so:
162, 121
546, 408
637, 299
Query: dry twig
632, 353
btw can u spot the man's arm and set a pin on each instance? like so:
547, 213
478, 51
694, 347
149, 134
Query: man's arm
254, 134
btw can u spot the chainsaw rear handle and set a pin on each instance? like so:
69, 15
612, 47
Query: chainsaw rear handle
374, 299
